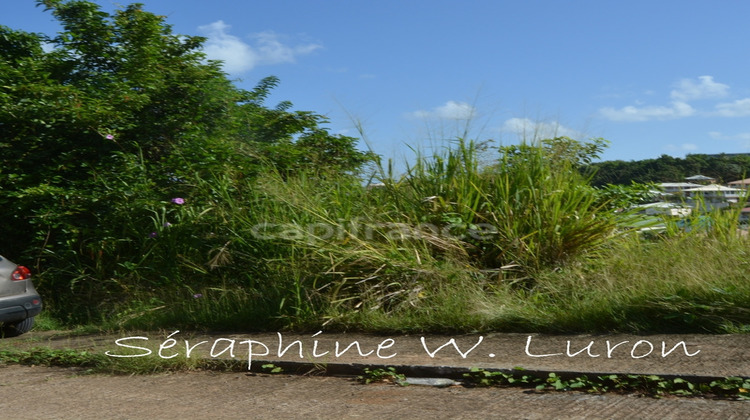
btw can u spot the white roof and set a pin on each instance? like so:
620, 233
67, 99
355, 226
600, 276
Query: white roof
662, 204
678, 185
699, 178
713, 188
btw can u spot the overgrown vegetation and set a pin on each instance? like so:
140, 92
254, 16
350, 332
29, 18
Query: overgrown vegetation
649, 385
149, 192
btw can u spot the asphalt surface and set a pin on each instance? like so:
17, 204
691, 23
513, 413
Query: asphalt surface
54, 393
39, 392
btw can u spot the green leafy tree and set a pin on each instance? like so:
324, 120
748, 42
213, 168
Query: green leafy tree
295, 141
106, 122
111, 86
623, 197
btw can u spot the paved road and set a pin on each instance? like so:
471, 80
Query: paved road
51, 393
37, 392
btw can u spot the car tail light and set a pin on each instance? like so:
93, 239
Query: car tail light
20, 273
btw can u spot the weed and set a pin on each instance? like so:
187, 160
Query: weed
651, 385
98, 363
387, 375
271, 368
49, 357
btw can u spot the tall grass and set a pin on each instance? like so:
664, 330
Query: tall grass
524, 244
531, 208
689, 284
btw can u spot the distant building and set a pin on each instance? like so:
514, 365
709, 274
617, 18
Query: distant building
669, 209
676, 187
713, 196
742, 184
701, 179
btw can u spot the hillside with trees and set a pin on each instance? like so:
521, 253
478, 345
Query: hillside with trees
724, 168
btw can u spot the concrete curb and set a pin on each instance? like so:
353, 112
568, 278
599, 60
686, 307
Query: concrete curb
419, 371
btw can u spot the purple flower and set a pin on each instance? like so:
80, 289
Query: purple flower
197, 295
178, 200
153, 235
167, 224
110, 137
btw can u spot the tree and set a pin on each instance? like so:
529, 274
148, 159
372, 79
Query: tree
122, 110
111, 83
104, 128
111, 88
295, 140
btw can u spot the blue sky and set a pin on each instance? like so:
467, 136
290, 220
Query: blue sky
653, 77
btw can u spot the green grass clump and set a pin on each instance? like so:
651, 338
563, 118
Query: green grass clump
87, 362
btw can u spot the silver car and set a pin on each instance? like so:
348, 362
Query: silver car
19, 301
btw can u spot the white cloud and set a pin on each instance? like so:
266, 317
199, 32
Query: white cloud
678, 109
684, 147
689, 146
451, 110
531, 130
717, 135
239, 56
705, 88
272, 51
48, 47
738, 108
741, 140
686, 90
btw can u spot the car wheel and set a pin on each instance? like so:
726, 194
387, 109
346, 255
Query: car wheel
17, 328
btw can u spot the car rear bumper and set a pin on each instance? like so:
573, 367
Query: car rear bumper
18, 308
